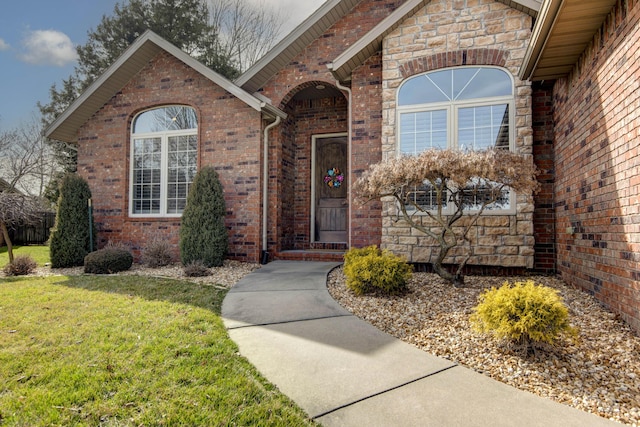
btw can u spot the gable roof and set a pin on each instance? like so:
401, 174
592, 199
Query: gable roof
370, 43
561, 33
302, 36
323, 18
134, 59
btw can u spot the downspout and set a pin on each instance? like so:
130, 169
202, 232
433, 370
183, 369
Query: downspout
265, 189
349, 157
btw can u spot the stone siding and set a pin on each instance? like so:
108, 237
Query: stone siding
448, 33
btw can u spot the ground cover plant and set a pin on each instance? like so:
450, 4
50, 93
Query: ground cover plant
125, 350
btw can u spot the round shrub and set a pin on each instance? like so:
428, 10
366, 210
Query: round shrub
524, 313
70, 239
21, 266
203, 234
370, 269
107, 261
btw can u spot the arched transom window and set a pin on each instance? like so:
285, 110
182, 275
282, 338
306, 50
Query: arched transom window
466, 108
469, 108
164, 144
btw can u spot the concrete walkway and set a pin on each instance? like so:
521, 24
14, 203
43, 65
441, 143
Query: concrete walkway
345, 372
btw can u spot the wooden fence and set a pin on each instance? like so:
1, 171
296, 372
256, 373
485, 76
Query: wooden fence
35, 234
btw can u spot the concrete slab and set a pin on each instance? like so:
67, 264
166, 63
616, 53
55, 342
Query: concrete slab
460, 397
262, 308
325, 364
286, 276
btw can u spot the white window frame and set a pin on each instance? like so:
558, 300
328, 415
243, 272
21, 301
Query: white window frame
164, 166
452, 108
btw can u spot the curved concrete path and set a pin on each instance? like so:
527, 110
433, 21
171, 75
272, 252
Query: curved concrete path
345, 372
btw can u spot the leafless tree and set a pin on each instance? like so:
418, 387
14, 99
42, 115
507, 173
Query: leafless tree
246, 30
436, 188
27, 163
26, 166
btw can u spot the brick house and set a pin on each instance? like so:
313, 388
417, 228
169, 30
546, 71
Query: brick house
357, 82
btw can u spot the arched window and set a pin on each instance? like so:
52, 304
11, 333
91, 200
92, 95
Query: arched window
469, 108
164, 144
466, 108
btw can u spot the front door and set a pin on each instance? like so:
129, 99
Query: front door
331, 205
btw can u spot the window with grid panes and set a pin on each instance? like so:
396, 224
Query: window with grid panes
465, 108
164, 144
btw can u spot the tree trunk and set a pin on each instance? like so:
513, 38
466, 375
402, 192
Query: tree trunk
5, 234
457, 279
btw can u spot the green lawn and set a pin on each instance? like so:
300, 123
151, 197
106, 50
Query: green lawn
126, 350
40, 254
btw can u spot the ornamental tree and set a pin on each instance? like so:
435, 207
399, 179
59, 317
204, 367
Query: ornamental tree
436, 188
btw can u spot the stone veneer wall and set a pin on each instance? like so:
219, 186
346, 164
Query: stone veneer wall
448, 33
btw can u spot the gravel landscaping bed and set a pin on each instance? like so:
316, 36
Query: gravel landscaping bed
600, 373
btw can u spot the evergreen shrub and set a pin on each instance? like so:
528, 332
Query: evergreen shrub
21, 266
370, 269
108, 261
203, 234
70, 239
524, 313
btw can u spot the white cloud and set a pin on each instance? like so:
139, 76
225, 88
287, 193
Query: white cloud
4, 45
48, 47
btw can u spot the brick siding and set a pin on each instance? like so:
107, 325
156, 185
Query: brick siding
598, 166
229, 139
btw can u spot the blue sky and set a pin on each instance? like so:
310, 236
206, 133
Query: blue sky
37, 46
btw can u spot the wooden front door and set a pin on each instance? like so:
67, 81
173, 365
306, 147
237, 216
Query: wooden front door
330, 189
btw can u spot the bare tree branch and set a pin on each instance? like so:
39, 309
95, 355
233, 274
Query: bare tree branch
470, 182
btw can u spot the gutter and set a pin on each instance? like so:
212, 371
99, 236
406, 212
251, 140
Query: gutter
265, 188
545, 22
349, 157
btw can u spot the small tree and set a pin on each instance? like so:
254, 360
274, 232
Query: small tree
70, 238
17, 209
203, 235
469, 181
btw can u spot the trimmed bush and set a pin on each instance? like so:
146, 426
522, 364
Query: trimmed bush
370, 269
21, 266
524, 313
203, 235
108, 261
70, 239
196, 269
157, 253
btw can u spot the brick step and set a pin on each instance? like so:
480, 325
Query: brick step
310, 255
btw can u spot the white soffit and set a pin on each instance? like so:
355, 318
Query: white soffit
563, 31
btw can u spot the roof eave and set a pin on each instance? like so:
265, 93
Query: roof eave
292, 44
147, 46
539, 36
354, 56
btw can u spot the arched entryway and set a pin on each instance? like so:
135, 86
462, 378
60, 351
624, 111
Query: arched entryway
309, 157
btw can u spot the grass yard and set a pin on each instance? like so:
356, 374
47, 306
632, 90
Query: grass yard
126, 350
40, 254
